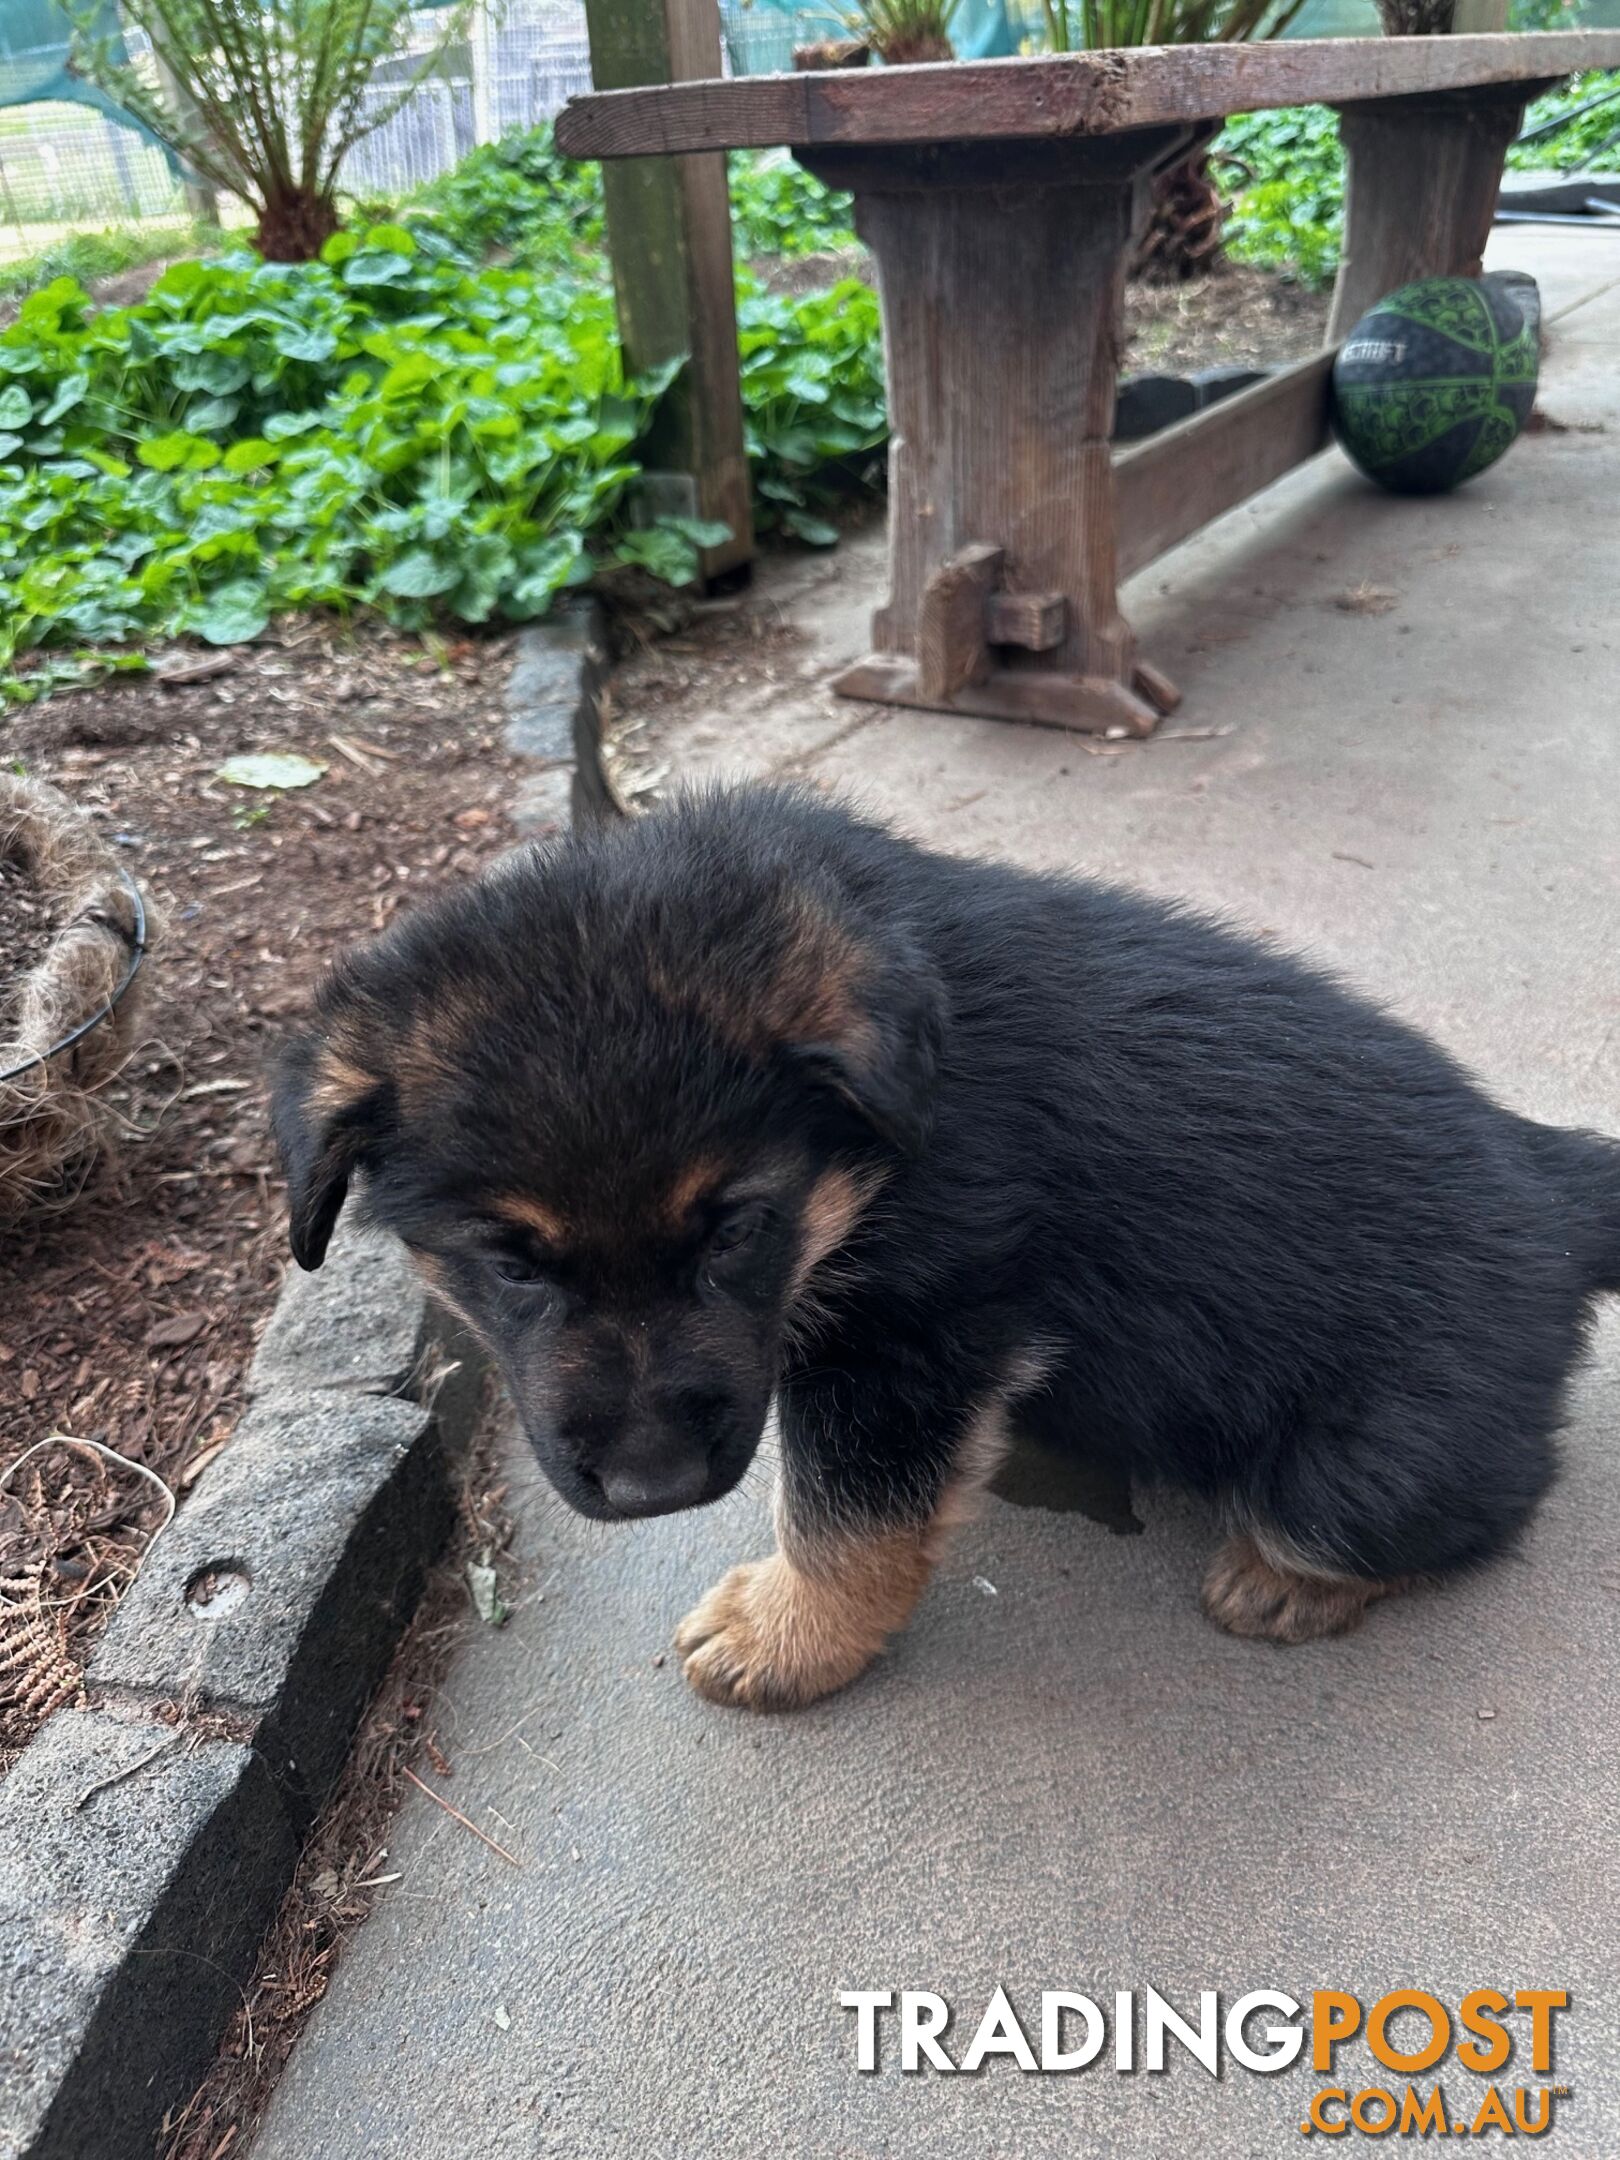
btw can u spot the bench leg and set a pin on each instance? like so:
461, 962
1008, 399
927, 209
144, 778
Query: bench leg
1423, 176
1002, 284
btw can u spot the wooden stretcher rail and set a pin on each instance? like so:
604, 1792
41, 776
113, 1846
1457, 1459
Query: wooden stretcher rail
1176, 481
1072, 94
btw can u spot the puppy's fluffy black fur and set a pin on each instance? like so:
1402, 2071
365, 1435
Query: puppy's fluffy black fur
1172, 1196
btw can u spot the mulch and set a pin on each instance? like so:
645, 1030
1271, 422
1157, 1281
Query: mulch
129, 1317
1237, 316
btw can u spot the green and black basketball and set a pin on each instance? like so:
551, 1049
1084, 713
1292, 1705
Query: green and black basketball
1433, 384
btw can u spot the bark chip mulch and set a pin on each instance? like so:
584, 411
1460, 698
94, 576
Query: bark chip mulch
128, 1317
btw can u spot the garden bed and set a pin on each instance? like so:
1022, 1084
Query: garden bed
129, 1319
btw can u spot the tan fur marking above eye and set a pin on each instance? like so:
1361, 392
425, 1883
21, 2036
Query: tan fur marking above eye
532, 1214
694, 1183
433, 1272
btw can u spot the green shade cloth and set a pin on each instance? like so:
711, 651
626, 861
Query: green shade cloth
35, 40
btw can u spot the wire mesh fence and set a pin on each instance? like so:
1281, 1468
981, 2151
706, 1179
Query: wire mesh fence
64, 165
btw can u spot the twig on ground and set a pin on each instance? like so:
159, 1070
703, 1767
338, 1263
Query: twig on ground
465, 1821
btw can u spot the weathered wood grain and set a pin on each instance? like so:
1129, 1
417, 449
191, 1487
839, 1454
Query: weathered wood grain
669, 239
1001, 342
951, 647
1422, 181
1084, 704
1170, 485
1097, 93
1034, 621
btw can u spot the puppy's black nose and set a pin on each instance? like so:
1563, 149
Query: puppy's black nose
655, 1489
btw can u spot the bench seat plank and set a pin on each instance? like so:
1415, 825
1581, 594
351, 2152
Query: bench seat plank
1053, 96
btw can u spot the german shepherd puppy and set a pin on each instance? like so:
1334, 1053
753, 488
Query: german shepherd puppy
753, 1100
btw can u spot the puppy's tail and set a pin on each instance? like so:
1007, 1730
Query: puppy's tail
1585, 1169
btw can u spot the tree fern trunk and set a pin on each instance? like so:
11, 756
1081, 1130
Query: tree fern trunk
1183, 235
295, 224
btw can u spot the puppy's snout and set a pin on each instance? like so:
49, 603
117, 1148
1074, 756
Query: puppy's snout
655, 1488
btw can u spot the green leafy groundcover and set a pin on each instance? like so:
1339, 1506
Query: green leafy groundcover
389, 426
1285, 172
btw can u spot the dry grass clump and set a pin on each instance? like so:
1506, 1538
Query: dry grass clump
70, 935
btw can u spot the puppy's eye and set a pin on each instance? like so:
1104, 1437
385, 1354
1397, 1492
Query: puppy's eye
739, 1230
521, 1272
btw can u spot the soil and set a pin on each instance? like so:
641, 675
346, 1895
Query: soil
725, 650
129, 1318
1236, 316
25, 932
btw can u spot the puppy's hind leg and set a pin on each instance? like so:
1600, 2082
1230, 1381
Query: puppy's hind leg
873, 1481
1255, 1587
1409, 1487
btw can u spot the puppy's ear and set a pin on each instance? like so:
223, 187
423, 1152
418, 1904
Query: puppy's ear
325, 1112
881, 1050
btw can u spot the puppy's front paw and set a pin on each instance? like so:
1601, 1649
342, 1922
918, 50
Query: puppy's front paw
768, 1638
1246, 1595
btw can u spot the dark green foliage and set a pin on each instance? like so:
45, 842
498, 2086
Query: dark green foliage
1586, 134
387, 425
1285, 173
812, 375
520, 198
392, 426
517, 197
777, 208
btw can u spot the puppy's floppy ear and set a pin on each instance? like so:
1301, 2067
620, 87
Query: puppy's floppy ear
878, 1046
325, 1112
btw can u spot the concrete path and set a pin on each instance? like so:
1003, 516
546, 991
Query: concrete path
1061, 1777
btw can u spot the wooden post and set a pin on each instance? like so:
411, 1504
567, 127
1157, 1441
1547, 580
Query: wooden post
669, 236
1421, 187
1002, 271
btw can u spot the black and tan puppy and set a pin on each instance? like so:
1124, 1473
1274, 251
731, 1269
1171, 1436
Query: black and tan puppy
754, 1100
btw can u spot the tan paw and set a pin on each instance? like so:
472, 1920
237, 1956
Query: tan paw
769, 1638
1245, 1594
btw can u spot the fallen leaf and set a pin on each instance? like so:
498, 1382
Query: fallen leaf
175, 1332
271, 769
491, 1607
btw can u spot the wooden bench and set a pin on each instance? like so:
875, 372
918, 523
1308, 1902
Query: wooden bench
1000, 199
